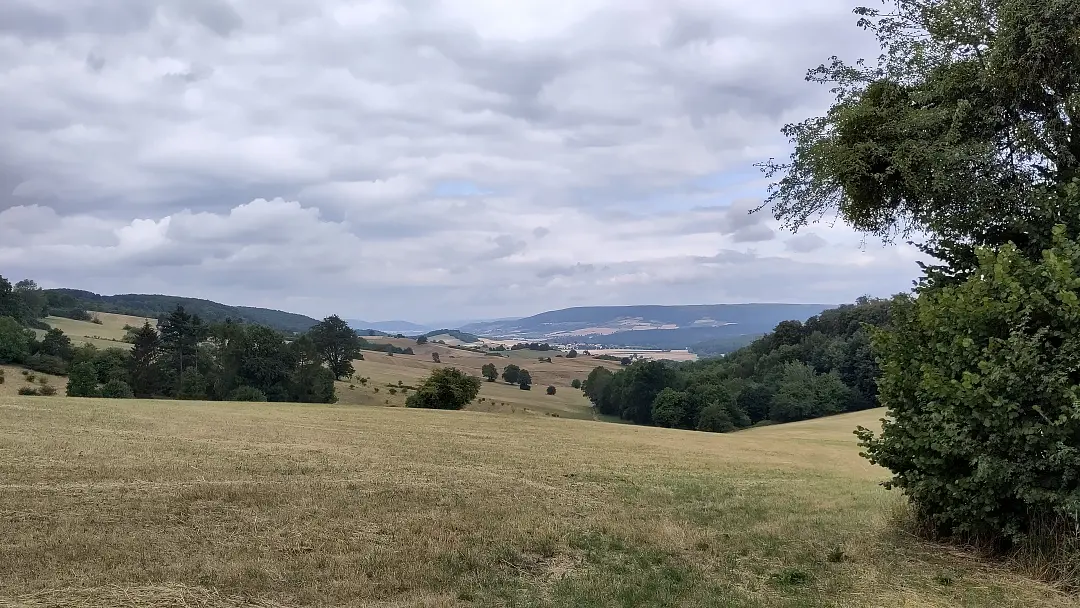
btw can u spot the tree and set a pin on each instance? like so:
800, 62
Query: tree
32, 301
669, 408
490, 372
551, 390
435, 357
524, 380
422, 340
116, 389
756, 400
14, 341
54, 343
338, 344
596, 383
625, 361
247, 393
803, 394
192, 385
447, 388
576, 384
965, 130
981, 384
511, 373
715, 418
572, 354
142, 363
179, 335
83, 381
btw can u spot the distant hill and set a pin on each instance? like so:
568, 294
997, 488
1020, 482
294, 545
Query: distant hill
666, 327
154, 305
390, 327
453, 333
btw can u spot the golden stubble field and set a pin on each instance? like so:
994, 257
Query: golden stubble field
161, 503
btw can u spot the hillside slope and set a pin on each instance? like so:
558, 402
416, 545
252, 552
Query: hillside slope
667, 327
165, 503
155, 305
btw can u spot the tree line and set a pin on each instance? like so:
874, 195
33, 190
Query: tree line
183, 357
799, 371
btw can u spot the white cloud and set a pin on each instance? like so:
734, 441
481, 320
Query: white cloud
421, 158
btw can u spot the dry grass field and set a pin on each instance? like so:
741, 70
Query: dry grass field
161, 504
109, 334
385, 372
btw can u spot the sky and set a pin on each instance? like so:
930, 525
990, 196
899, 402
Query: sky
420, 159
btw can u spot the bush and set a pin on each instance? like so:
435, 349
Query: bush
117, 389
551, 390
47, 364
981, 384
247, 393
447, 388
47, 390
575, 384
83, 381
524, 380
715, 418
28, 390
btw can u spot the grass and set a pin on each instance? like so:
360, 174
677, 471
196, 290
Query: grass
108, 334
497, 397
159, 503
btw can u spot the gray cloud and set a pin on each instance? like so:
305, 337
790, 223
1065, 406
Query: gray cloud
805, 243
258, 152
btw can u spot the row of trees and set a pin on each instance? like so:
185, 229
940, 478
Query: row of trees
800, 371
511, 374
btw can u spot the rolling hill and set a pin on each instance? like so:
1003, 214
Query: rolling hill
665, 327
154, 305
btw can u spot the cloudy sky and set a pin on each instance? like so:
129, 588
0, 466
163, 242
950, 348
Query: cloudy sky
418, 159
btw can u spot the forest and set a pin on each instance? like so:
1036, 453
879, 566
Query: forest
798, 371
182, 356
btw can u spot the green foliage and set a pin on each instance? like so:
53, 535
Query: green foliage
247, 393
55, 344
524, 380
436, 358
143, 372
551, 390
669, 408
964, 130
47, 364
192, 385
447, 388
715, 418
116, 389
83, 380
802, 370
511, 373
803, 394
28, 391
156, 306
15, 341
422, 340
572, 354
575, 383
337, 343
490, 372
982, 387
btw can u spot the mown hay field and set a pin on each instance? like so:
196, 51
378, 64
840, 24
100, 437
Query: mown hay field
164, 503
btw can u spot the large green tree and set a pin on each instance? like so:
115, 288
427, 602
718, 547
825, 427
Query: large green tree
14, 341
338, 344
964, 130
142, 364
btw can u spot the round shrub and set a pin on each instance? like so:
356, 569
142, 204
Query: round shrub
551, 390
982, 386
116, 389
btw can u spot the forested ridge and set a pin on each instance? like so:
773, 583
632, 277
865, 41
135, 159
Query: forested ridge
182, 356
798, 371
